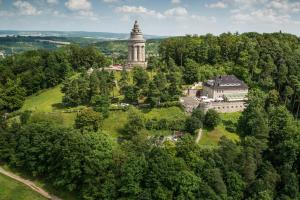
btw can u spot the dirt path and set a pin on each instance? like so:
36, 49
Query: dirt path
29, 183
199, 135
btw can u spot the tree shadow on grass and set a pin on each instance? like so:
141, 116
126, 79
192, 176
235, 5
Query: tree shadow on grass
58, 106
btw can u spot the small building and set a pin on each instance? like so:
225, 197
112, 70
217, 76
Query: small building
225, 87
228, 94
222, 93
194, 90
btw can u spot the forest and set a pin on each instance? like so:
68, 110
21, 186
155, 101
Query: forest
84, 160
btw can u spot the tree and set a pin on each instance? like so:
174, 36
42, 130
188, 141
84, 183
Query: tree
88, 120
124, 79
198, 113
212, 118
101, 103
192, 124
134, 125
12, 96
131, 94
140, 77
190, 72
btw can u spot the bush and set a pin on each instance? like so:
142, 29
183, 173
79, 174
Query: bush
192, 124
164, 124
211, 119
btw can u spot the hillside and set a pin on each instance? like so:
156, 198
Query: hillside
12, 190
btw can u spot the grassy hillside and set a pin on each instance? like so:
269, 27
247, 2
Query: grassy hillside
44, 101
47, 102
211, 138
12, 190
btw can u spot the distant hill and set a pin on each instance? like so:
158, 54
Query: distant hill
81, 34
12, 42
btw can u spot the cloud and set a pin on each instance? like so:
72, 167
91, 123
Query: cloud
175, 1
138, 10
78, 4
263, 16
284, 6
219, 4
83, 8
52, 1
110, 1
204, 18
176, 12
88, 14
26, 8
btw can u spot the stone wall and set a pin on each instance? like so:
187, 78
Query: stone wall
224, 107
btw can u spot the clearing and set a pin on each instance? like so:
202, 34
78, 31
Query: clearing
210, 138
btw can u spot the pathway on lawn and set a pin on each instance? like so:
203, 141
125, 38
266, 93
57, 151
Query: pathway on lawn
199, 135
29, 183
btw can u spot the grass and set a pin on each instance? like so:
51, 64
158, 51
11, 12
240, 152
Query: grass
13, 190
210, 138
63, 194
44, 101
164, 113
117, 119
115, 122
49, 100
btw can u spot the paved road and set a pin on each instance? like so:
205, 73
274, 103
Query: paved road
29, 183
199, 135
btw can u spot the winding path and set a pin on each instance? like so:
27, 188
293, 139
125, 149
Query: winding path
199, 135
28, 183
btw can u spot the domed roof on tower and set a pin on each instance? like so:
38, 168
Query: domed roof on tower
136, 27
136, 33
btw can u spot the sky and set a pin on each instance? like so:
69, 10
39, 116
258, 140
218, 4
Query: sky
156, 17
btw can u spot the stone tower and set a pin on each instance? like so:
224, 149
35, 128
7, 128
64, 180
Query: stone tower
136, 48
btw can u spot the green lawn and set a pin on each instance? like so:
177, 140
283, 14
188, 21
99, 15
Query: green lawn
117, 119
210, 138
115, 122
44, 101
13, 190
164, 113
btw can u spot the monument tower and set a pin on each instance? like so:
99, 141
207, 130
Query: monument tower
136, 48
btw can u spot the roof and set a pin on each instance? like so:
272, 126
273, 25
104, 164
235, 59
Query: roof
226, 82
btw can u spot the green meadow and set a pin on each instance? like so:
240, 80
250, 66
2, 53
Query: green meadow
13, 190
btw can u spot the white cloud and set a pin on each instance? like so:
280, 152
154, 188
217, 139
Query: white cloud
26, 8
83, 8
284, 6
263, 16
176, 12
110, 1
176, 1
52, 1
219, 4
138, 10
78, 4
204, 18
88, 14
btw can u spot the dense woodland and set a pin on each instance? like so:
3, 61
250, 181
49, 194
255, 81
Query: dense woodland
263, 165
